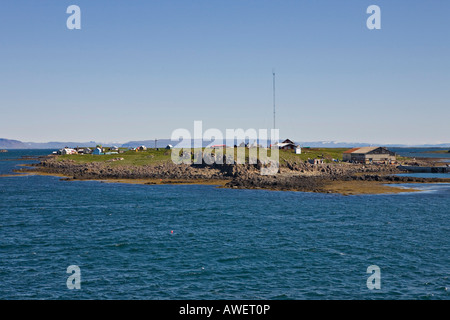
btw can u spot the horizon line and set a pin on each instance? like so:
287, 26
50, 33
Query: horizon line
168, 139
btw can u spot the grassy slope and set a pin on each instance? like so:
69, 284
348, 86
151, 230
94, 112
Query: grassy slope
130, 157
152, 157
326, 153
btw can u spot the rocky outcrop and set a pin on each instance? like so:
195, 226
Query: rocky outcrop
291, 176
99, 170
105, 170
317, 183
298, 183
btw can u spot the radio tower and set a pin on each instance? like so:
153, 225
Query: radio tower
273, 74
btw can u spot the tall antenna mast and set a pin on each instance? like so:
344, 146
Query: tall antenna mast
273, 74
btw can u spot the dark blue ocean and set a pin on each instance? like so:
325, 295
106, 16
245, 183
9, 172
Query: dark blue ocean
226, 243
423, 153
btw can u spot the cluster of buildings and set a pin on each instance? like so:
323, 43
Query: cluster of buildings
366, 155
141, 148
97, 151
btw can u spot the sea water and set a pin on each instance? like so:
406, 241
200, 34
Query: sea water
202, 242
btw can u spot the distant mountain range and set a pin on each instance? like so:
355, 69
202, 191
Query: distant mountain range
16, 144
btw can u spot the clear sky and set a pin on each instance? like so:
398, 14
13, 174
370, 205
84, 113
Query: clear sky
140, 69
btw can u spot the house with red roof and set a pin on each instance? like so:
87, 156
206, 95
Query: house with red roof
369, 155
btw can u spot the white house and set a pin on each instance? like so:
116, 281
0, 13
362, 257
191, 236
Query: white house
69, 151
286, 145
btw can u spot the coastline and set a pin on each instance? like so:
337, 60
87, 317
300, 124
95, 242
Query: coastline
349, 187
341, 178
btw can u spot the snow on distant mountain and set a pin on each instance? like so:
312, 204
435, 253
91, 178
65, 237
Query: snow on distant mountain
161, 143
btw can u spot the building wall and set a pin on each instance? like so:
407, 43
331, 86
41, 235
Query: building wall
367, 158
379, 158
347, 156
288, 147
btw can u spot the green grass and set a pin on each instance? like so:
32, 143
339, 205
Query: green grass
130, 157
153, 157
310, 153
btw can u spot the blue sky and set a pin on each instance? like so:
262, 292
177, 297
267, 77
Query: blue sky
141, 69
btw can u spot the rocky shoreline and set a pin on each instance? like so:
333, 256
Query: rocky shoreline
322, 183
291, 176
169, 170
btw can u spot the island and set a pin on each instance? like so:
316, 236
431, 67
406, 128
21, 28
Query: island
313, 170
